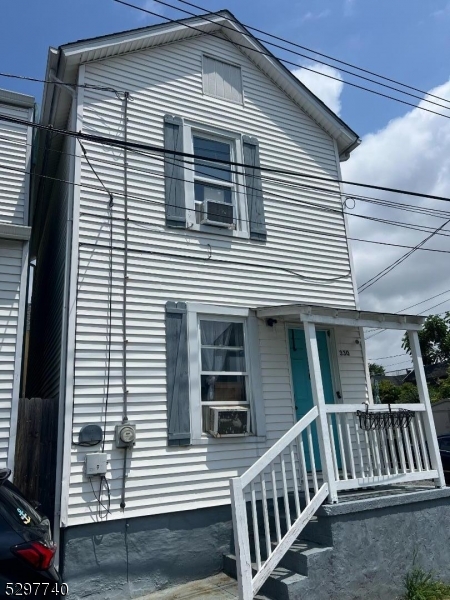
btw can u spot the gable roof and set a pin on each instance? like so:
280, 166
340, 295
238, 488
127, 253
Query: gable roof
65, 61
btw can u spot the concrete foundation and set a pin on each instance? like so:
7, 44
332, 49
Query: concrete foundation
372, 541
377, 540
132, 557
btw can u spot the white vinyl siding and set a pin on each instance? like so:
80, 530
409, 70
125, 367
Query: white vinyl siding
302, 236
14, 162
222, 80
11, 256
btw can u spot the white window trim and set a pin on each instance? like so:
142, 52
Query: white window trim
256, 401
219, 98
189, 129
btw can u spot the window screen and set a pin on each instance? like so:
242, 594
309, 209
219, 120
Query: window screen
222, 80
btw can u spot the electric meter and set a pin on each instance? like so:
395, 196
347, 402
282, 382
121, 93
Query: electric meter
125, 435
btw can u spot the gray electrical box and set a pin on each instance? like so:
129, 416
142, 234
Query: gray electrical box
96, 464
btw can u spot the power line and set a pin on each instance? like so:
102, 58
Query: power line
365, 286
398, 363
135, 145
437, 213
441, 214
270, 55
268, 196
291, 51
342, 62
386, 357
56, 82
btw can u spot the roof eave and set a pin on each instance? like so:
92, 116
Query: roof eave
93, 49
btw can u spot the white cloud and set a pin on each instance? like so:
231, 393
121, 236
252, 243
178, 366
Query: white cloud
311, 16
152, 6
413, 153
349, 6
327, 89
442, 12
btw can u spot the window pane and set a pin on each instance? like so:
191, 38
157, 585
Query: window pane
211, 192
222, 333
212, 149
223, 388
223, 360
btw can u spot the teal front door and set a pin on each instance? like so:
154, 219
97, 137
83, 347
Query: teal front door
302, 384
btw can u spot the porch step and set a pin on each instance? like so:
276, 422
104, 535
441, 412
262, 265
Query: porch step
304, 556
292, 578
282, 583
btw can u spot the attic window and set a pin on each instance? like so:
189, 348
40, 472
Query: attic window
222, 80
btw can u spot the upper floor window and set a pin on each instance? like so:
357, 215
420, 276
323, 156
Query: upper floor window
216, 187
213, 180
222, 80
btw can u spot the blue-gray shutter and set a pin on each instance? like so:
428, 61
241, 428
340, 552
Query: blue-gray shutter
178, 413
174, 172
255, 201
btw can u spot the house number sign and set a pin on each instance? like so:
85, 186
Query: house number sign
344, 352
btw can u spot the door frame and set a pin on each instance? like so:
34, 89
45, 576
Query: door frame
332, 355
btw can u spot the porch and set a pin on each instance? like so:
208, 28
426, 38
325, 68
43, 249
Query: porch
332, 454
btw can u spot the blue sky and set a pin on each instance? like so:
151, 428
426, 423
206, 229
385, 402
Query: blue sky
405, 39
401, 147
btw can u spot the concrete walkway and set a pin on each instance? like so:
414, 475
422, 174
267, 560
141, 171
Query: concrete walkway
219, 587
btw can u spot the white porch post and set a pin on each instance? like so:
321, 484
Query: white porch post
241, 541
319, 401
422, 388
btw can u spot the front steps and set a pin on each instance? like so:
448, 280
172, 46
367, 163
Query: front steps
302, 572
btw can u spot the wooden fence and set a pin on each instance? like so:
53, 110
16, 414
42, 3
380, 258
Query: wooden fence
35, 458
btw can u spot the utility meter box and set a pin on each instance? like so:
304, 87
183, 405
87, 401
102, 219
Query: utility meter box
125, 435
96, 464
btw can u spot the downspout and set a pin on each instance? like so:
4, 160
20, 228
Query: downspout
125, 282
64, 337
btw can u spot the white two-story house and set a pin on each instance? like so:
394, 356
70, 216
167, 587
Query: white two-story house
15, 165
193, 304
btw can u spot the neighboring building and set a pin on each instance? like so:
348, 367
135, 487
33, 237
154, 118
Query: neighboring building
441, 414
434, 373
15, 165
178, 298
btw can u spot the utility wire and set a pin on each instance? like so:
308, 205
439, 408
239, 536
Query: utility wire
135, 145
342, 62
139, 223
268, 196
365, 286
432, 212
386, 357
269, 54
291, 51
56, 82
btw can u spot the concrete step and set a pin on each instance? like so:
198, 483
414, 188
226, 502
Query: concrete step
282, 583
304, 557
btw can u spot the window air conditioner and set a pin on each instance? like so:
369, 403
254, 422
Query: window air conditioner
219, 214
228, 421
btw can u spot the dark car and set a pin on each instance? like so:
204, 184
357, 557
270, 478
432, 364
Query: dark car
444, 449
26, 548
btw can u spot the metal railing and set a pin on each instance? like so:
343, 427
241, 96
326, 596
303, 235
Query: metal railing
266, 485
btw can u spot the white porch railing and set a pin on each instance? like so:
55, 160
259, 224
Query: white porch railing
350, 458
281, 469
367, 458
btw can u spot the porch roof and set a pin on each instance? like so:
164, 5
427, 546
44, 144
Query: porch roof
329, 315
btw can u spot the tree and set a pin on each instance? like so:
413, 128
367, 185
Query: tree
375, 369
434, 339
389, 393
